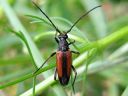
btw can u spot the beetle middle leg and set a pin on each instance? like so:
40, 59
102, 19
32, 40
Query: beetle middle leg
45, 62
71, 42
75, 52
55, 74
74, 77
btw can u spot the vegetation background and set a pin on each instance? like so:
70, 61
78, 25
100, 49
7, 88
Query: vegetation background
101, 38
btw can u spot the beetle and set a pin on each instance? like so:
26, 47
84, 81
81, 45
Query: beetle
63, 54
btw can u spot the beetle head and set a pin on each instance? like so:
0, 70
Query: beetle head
63, 35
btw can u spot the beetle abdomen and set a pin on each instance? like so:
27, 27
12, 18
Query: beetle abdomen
64, 62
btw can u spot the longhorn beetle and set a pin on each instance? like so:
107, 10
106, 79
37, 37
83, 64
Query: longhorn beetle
63, 54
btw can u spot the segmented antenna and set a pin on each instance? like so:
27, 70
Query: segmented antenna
46, 17
82, 17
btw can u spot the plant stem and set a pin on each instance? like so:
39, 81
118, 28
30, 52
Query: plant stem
103, 43
77, 62
36, 56
113, 37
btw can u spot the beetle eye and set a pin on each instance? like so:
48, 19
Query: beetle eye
66, 36
59, 36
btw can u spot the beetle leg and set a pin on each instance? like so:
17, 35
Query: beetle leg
55, 74
71, 42
45, 62
74, 77
57, 40
75, 52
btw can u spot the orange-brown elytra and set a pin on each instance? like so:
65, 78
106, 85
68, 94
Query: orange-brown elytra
63, 54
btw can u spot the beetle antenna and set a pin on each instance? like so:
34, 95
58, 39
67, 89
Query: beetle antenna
46, 17
82, 17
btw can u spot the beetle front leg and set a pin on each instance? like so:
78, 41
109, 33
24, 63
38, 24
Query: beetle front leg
57, 40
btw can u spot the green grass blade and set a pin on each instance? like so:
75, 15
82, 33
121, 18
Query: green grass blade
96, 17
75, 29
16, 24
125, 93
102, 43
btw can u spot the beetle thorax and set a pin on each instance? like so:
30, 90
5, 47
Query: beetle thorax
63, 44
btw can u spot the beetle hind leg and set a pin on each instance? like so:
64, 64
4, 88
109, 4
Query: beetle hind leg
74, 78
55, 74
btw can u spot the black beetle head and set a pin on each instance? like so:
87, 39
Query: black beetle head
63, 35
